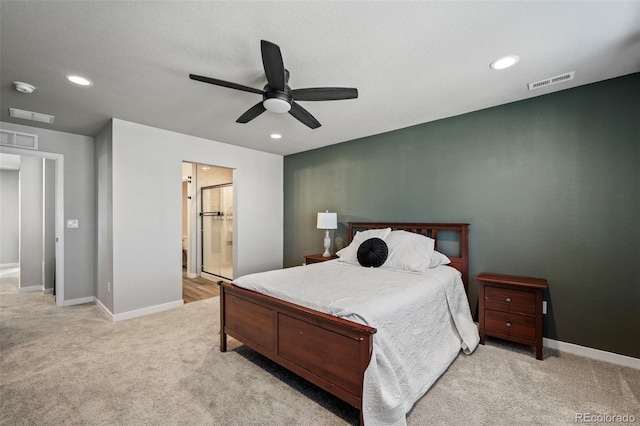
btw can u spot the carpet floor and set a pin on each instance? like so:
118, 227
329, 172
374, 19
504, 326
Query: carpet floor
74, 366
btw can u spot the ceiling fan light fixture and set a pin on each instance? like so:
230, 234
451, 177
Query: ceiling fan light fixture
505, 62
276, 105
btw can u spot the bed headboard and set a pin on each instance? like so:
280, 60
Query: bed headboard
456, 248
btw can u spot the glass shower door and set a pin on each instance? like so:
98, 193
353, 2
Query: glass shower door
216, 215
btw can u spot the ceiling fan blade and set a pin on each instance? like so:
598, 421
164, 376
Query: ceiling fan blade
251, 113
273, 65
225, 84
324, 94
303, 116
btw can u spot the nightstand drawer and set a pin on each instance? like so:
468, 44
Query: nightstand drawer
510, 300
508, 324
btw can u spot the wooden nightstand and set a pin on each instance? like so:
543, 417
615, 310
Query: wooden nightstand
510, 307
316, 258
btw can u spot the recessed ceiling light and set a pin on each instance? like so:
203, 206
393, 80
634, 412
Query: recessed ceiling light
79, 80
276, 135
506, 62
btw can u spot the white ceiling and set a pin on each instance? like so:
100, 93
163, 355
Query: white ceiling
412, 62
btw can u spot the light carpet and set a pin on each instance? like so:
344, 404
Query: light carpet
74, 366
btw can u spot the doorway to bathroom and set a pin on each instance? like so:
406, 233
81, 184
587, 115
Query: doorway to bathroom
207, 229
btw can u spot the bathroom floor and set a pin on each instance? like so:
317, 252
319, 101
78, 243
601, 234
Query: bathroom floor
194, 289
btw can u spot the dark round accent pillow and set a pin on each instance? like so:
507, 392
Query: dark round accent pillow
373, 252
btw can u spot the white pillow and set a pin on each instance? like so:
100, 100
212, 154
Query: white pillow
438, 259
349, 254
408, 251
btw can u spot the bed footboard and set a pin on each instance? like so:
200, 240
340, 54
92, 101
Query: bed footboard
330, 352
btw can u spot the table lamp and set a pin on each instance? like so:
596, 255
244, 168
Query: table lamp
327, 221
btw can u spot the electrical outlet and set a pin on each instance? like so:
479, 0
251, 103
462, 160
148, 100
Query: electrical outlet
108, 288
544, 307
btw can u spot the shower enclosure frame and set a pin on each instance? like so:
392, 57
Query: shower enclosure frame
223, 216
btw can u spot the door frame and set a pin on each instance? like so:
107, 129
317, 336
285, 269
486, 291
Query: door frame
58, 210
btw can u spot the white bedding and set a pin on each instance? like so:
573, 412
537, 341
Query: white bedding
423, 320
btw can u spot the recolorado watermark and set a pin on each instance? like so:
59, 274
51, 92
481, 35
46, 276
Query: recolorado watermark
604, 418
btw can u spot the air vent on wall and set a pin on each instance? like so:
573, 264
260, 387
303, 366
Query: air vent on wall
18, 139
552, 80
30, 115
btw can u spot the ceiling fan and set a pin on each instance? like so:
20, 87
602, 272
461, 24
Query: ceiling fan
277, 96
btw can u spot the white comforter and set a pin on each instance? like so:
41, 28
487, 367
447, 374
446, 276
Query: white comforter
423, 320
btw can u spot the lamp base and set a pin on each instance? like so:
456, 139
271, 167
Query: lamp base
327, 244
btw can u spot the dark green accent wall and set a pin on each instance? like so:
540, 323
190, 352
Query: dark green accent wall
550, 186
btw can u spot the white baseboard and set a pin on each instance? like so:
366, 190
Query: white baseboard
79, 301
47, 291
9, 265
30, 288
125, 315
623, 360
104, 309
146, 311
191, 275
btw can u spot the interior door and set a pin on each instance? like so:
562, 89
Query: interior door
217, 230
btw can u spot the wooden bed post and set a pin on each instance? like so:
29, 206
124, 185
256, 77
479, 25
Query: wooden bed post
223, 335
464, 253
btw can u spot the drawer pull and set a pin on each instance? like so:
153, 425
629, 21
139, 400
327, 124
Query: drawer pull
508, 324
508, 300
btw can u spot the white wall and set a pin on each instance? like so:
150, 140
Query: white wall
31, 231
147, 223
104, 228
9, 217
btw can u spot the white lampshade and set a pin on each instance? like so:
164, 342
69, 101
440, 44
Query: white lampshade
327, 220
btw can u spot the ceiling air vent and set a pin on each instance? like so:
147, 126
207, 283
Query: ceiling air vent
30, 115
553, 80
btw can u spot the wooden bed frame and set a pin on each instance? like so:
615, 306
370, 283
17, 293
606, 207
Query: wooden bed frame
330, 352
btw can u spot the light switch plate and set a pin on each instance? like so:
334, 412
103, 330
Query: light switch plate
72, 223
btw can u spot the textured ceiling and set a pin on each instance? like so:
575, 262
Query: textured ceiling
412, 62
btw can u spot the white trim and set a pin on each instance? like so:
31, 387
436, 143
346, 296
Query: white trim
78, 301
146, 311
623, 360
9, 265
30, 289
192, 275
47, 291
